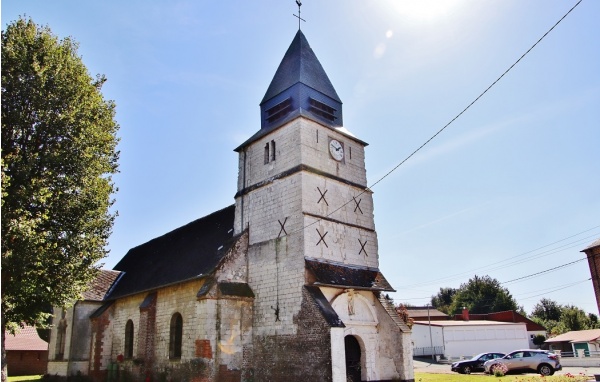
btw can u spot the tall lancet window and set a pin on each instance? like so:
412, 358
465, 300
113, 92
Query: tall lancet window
175, 336
267, 153
273, 150
128, 351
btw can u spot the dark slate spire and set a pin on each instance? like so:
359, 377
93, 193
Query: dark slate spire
300, 64
300, 87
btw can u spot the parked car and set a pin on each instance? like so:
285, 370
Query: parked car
474, 364
526, 360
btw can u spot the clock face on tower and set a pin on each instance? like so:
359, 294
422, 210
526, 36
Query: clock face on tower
336, 149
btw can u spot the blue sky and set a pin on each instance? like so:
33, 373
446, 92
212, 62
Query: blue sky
495, 193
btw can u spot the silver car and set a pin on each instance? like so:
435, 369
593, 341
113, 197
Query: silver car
526, 360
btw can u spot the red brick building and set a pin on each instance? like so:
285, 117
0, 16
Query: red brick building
26, 353
592, 253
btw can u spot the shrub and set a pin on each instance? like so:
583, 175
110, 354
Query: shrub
499, 369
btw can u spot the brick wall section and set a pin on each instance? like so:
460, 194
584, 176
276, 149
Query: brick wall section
203, 349
226, 375
99, 333
593, 256
26, 362
147, 333
305, 356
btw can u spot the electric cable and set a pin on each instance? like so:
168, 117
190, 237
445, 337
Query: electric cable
368, 188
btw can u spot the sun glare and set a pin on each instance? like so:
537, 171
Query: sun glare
425, 10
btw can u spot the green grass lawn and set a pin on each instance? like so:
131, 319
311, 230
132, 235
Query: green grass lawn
25, 378
427, 377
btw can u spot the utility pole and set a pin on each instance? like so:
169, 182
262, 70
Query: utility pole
430, 336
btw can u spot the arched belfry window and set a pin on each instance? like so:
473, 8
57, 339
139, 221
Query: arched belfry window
175, 336
128, 351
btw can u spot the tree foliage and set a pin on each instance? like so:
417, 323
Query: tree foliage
546, 310
443, 299
482, 295
539, 339
58, 157
558, 319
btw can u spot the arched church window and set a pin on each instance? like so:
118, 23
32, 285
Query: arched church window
175, 336
128, 351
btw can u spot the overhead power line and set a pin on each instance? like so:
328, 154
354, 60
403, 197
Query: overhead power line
505, 262
557, 289
476, 99
447, 124
545, 271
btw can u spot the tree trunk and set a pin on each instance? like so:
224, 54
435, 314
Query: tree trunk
4, 363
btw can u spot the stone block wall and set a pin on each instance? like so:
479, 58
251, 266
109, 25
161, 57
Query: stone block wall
276, 275
315, 152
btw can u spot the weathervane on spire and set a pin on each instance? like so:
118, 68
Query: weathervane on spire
299, 18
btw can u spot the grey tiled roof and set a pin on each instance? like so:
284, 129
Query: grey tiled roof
189, 252
348, 276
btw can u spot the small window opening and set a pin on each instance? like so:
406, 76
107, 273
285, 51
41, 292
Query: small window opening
267, 153
350, 152
272, 150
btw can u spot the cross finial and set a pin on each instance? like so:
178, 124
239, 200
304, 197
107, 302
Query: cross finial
299, 18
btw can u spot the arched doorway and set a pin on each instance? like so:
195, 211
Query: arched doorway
353, 369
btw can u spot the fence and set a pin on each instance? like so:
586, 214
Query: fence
429, 350
570, 354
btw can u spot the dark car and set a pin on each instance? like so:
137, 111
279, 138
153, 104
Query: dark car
475, 363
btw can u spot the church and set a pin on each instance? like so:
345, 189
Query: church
282, 285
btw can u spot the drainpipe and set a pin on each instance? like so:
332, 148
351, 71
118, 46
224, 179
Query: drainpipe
243, 187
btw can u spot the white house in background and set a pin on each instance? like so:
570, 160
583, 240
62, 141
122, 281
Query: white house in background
586, 341
455, 339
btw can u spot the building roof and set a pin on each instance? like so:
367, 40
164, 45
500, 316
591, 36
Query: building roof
347, 276
26, 338
593, 245
189, 252
300, 64
467, 323
421, 312
100, 286
504, 316
327, 311
577, 336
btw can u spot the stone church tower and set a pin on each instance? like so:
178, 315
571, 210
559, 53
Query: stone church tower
319, 310
284, 285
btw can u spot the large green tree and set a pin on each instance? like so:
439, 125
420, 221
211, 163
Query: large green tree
482, 295
59, 140
558, 319
547, 309
443, 299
